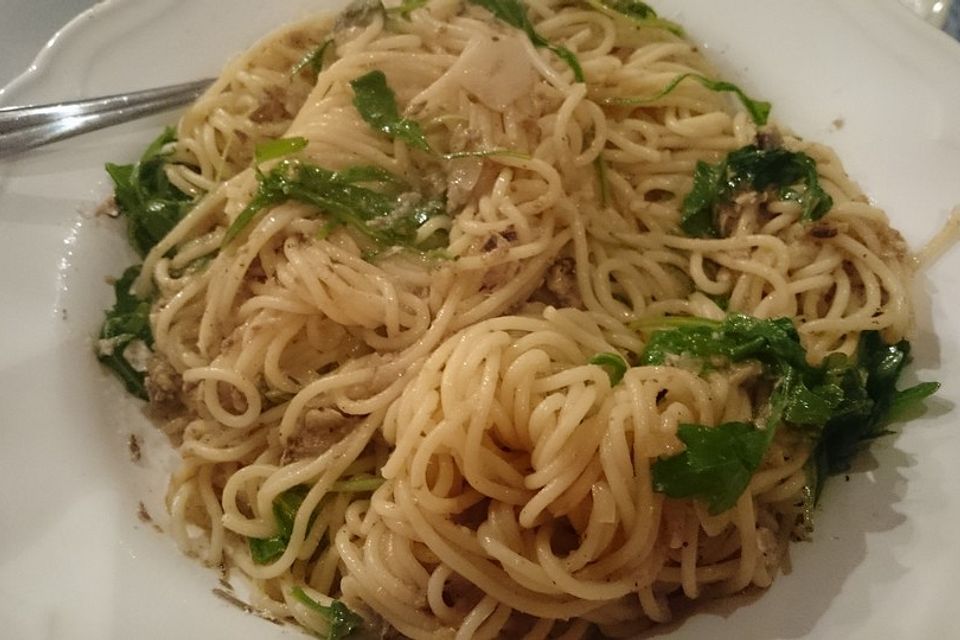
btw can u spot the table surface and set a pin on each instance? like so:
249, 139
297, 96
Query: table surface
29, 24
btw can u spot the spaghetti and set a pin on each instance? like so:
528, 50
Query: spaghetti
408, 420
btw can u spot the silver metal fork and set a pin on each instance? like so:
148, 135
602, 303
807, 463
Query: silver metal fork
23, 128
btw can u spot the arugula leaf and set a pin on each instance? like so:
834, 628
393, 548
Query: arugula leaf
638, 12
736, 338
871, 401
272, 149
759, 110
285, 507
359, 13
127, 322
266, 550
377, 105
152, 206
341, 622
385, 216
313, 60
600, 166
752, 168
799, 403
613, 364
697, 217
722, 300
779, 168
486, 153
406, 7
630, 8
145, 196
716, 465
840, 404
358, 484
907, 401
515, 14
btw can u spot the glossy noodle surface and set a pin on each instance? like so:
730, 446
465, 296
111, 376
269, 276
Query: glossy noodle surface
384, 380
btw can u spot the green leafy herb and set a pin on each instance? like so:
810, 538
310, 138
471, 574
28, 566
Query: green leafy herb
870, 402
603, 184
406, 7
145, 196
613, 364
759, 110
736, 338
152, 206
716, 465
755, 169
358, 484
806, 402
722, 300
638, 12
272, 149
359, 13
285, 507
840, 404
127, 322
697, 217
341, 622
377, 105
515, 14
275, 397
266, 550
909, 400
313, 60
387, 216
453, 155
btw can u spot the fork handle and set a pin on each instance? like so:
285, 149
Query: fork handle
23, 128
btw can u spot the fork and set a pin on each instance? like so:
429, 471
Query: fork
28, 127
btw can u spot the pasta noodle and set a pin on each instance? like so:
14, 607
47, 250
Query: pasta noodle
517, 496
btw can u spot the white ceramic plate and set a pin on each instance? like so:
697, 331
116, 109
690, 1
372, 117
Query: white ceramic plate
75, 560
